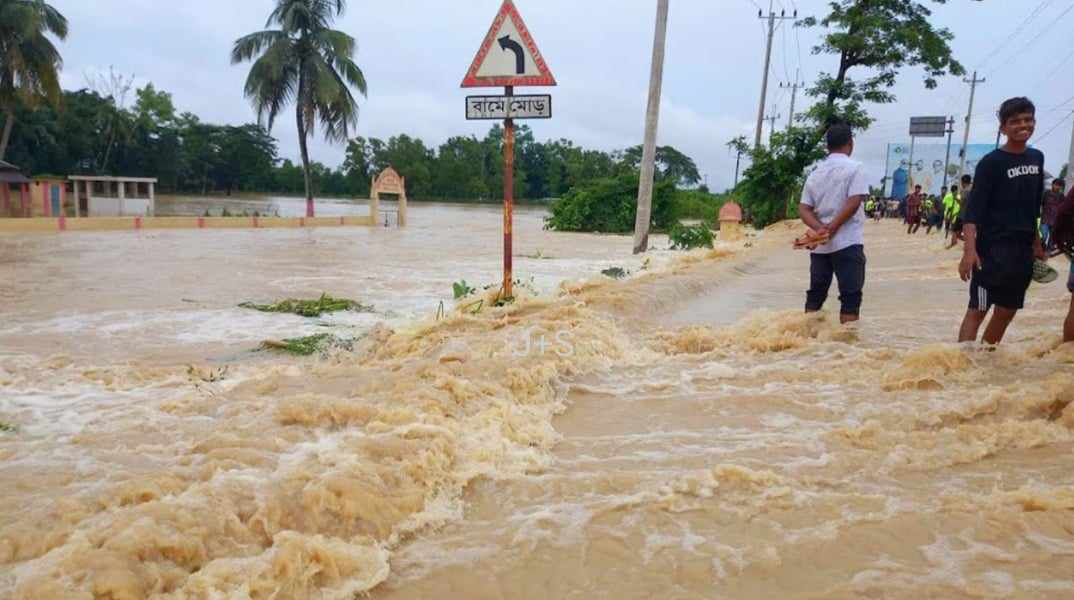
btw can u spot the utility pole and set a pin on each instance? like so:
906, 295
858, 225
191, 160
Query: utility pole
947, 161
1070, 164
794, 95
969, 115
771, 118
652, 121
772, 18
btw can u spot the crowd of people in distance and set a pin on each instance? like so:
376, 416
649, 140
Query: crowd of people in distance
1009, 222
918, 209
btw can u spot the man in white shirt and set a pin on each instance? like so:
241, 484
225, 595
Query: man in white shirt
832, 203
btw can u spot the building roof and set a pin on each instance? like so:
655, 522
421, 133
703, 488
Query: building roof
110, 178
9, 173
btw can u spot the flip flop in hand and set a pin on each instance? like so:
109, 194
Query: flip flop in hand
811, 240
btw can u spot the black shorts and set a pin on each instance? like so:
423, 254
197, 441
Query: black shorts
1007, 270
956, 225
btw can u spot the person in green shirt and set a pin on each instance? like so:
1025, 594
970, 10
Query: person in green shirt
870, 207
952, 207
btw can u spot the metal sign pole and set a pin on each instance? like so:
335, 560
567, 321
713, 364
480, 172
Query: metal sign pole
947, 161
911, 177
508, 196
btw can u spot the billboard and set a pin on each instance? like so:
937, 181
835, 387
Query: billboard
928, 166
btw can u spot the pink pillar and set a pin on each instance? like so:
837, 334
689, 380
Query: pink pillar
5, 198
24, 196
63, 200
45, 189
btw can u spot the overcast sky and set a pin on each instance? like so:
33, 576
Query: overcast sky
415, 52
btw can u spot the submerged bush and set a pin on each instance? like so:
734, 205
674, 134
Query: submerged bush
306, 346
310, 308
688, 237
609, 206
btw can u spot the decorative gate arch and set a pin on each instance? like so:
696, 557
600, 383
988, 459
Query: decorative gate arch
388, 182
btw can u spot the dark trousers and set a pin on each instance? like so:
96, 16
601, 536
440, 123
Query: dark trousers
848, 267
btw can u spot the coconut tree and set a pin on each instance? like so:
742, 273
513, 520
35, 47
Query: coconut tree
29, 62
308, 63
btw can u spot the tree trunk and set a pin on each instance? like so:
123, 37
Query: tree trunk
652, 121
305, 153
9, 122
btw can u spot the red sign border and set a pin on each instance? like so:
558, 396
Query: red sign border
545, 79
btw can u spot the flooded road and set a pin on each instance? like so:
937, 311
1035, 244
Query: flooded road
685, 433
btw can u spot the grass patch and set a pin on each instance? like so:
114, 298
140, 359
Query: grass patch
310, 308
307, 346
8, 428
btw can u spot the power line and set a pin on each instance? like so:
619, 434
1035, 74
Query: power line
1040, 35
1057, 126
1032, 15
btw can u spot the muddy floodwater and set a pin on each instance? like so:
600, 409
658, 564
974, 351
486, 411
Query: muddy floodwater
682, 433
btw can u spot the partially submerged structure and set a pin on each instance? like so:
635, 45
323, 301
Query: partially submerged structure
105, 196
14, 192
731, 222
392, 183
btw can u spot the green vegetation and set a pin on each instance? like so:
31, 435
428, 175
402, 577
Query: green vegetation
609, 205
689, 237
461, 289
697, 204
307, 346
29, 62
8, 428
879, 38
310, 308
95, 132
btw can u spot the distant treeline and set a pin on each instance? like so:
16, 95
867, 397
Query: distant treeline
93, 132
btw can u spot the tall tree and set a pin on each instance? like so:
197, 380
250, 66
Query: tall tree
883, 36
308, 63
29, 62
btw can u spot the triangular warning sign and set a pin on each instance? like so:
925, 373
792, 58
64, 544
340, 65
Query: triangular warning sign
508, 56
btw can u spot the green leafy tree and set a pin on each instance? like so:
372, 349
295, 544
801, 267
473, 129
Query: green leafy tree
768, 190
609, 205
670, 164
29, 62
881, 37
307, 63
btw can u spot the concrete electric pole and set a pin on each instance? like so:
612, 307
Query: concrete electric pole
772, 18
772, 118
652, 121
969, 115
794, 96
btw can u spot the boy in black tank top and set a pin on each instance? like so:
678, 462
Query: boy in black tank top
1000, 226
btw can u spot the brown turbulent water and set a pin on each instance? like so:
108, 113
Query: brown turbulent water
685, 433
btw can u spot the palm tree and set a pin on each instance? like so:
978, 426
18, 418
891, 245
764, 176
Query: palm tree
29, 63
308, 63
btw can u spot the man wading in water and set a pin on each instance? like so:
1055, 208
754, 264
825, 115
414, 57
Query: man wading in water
1000, 226
832, 205
913, 210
